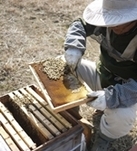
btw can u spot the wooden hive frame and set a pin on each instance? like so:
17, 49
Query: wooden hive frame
38, 75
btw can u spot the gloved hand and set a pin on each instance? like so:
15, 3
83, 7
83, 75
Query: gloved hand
100, 102
72, 56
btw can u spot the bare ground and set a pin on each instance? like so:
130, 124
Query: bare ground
30, 31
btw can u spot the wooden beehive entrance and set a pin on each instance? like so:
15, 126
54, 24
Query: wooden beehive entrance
27, 122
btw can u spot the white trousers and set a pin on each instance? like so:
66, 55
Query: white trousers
114, 123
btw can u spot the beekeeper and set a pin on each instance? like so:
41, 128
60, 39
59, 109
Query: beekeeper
113, 79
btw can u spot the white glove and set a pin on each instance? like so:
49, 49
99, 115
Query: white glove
100, 102
72, 56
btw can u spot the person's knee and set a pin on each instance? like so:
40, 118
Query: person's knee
127, 116
117, 122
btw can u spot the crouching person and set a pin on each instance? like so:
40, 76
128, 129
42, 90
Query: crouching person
113, 78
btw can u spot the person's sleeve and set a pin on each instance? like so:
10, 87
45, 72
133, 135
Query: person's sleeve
121, 95
76, 35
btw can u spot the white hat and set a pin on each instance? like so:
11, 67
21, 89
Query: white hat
110, 12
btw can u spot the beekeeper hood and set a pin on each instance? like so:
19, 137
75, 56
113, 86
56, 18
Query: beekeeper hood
109, 13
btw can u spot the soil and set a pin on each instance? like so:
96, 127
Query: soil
32, 30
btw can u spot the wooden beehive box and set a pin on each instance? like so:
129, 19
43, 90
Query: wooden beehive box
57, 91
27, 123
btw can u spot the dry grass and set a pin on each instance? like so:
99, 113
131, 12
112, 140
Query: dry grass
32, 30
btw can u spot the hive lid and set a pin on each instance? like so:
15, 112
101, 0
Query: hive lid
57, 92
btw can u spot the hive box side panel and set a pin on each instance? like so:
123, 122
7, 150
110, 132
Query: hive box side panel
66, 142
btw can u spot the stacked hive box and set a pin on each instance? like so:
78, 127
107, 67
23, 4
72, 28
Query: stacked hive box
27, 123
